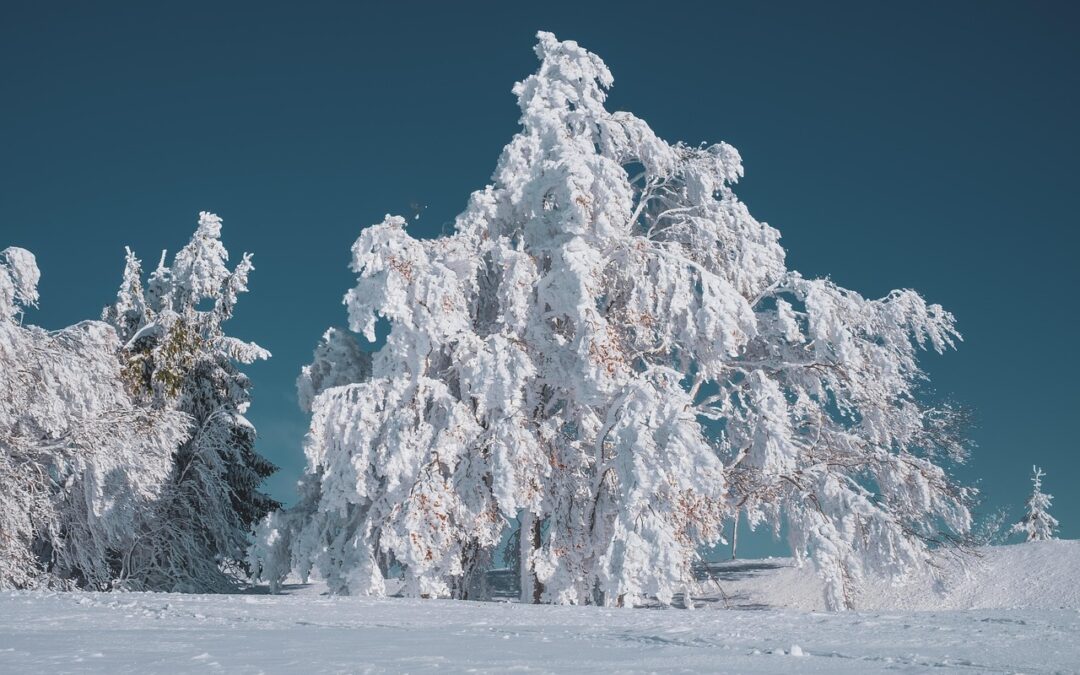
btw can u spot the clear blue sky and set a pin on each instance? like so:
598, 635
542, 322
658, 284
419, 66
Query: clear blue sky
928, 145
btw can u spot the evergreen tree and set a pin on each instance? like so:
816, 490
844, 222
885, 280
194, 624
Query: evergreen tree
609, 358
1037, 524
177, 356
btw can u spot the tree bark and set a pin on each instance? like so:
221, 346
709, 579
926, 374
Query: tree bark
735, 536
531, 588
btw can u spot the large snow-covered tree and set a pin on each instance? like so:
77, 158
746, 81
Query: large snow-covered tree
608, 358
1037, 523
81, 463
177, 356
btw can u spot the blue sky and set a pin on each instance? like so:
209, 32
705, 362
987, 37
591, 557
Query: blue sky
925, 145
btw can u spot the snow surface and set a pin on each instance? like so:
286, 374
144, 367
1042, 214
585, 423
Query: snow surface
1036, 575
1026, 618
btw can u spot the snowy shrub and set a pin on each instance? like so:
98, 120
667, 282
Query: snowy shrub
80, 462
1037, 523
606, 360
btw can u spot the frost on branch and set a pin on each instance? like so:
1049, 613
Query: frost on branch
1037, 524
606, 360
176, 356
338, 361
80, 461
19, 277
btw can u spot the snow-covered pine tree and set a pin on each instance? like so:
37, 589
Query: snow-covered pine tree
80, 461
1037, 524
609, 357
177, 356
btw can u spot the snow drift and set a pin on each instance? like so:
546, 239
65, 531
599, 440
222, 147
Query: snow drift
1035, 575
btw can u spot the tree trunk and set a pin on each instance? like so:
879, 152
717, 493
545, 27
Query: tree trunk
531, 588
735, 536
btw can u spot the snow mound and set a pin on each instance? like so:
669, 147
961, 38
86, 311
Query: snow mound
1035, 575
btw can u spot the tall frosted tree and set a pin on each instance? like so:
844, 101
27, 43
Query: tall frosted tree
81, 463
1037, 524
604, 362
177, 356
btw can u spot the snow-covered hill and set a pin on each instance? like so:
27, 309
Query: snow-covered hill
1036, 575
1018, 611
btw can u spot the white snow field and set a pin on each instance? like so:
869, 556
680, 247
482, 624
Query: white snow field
1018, 611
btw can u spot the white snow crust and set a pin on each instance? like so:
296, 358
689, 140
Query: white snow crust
1018, 610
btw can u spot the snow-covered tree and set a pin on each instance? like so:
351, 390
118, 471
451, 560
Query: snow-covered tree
1037, 524
608, 358
177, 356
80, 462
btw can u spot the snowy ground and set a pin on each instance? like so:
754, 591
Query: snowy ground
1011, 630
